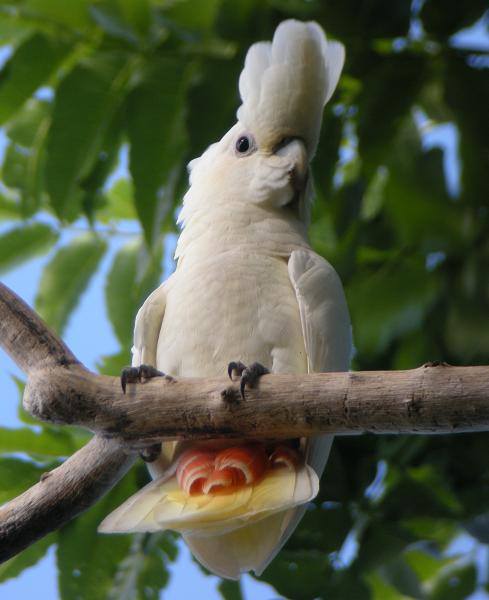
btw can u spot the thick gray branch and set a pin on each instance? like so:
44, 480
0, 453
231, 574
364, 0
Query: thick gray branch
430, 399
25, 337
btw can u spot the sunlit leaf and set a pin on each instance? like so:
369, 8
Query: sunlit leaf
85, 103
17, 475
48, 442
23, 243
29, 67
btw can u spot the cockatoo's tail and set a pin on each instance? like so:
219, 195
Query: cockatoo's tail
200, 471
207, 492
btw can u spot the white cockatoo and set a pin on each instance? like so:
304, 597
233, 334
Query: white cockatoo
248, 288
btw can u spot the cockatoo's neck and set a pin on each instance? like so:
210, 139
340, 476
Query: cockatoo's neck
239, 227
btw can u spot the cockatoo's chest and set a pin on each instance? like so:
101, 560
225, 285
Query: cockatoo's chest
232, 306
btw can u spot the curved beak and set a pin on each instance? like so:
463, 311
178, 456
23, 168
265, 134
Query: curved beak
295, 150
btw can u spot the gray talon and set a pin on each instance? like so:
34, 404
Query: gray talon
138, 374
249, 375
235, 367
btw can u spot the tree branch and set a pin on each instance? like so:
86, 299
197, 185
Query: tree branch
431, 399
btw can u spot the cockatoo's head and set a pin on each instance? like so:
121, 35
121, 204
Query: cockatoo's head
264, 159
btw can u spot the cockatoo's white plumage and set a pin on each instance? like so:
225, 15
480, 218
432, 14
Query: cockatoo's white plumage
248, 287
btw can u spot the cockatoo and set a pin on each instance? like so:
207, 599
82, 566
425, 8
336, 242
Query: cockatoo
248, 289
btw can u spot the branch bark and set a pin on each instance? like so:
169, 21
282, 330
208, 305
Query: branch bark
431, 399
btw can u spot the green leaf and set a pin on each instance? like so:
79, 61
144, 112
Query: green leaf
380, 115
112, 364
86, 101
143, 573
132, 276
230, 590
157, 141
23, 166
24, 242
87, 561
381, 590
9, 209
55, 11
389, 303
119, 202
17, 475
456, 582
48, 442
66, 277
192, 15
24, 127
30, 66
374, 195
27, 558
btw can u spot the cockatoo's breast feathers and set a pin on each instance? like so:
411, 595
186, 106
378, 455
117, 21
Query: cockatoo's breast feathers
285, 84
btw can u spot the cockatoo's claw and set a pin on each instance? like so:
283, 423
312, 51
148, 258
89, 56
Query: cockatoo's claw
235, 368
138, 374
249, 375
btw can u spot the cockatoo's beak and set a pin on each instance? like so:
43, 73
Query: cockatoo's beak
295, 151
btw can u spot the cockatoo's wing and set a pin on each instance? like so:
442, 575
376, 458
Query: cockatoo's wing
147, 328
327, 335
285, 84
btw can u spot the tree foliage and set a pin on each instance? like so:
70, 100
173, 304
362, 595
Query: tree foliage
87, 83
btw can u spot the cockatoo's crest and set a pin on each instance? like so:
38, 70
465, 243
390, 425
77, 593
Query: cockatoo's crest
286, 83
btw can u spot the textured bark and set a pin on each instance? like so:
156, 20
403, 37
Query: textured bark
430, 399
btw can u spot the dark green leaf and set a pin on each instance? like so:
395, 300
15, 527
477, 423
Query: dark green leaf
157, 137
23, 243
66, 277
86, 101
456, 582
389, 303
230, 590
30, 66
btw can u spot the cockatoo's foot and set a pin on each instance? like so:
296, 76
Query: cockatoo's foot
249, 376
138, 375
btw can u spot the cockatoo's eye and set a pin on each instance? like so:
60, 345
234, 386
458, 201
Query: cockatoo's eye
245, 144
